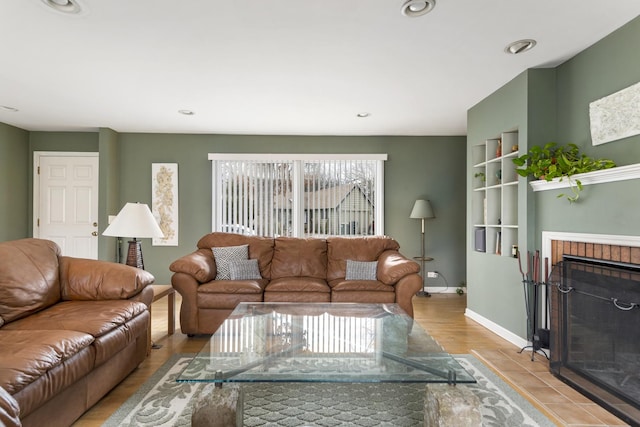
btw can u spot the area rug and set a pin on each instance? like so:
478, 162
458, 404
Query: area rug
161, 401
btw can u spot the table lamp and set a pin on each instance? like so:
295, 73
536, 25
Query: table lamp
134, 220
422, 210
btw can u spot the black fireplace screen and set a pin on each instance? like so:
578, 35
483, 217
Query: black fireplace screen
595, 331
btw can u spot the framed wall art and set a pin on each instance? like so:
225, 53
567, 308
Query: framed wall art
164, 186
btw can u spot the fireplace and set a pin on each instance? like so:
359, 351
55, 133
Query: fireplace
595, 324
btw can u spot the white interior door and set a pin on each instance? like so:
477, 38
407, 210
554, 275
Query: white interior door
66, 201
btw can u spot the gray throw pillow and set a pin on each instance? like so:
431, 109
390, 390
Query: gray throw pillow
361, 270
246, 269
225, 255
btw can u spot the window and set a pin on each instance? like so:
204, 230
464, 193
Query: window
298, 195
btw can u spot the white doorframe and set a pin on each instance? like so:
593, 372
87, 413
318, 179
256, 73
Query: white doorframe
37, 156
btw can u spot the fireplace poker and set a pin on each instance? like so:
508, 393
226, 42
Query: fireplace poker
536, 273
525, 281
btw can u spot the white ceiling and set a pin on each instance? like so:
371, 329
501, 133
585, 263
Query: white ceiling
288, 67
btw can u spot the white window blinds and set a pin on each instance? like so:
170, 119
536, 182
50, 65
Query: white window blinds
308, 196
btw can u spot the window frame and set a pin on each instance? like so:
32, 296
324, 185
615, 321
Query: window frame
298, 174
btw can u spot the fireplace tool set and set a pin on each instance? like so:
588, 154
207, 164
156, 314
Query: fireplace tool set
532, 286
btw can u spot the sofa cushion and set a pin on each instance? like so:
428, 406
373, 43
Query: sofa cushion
246, 269
224, 302
294, 257
260, 248
361, 270
233, 287
95, 318
27, 355
341, 249
90, 279
224, 256
298, 284
29, 279
342, 285
104, 320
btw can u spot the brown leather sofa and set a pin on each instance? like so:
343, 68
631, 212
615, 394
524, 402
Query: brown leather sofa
291, 270
70, 330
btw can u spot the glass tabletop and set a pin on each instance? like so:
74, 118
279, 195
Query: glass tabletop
322, 342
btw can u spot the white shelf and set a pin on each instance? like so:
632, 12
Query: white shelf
620, 173
495, 200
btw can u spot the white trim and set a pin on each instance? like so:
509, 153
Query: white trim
497, 329
620, 173
605, 239
379, 213
291, 156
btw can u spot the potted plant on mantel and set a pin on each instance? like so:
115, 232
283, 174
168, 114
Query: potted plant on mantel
559, 161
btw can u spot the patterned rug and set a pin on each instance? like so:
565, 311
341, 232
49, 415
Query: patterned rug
163, 402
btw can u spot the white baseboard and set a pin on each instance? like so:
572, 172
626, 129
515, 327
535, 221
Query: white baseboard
497, 329
439, 290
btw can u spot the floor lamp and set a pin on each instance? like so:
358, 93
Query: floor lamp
135, 219
422, 210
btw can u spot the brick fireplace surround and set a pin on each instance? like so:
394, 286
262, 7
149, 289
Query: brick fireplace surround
626, 254
624, 249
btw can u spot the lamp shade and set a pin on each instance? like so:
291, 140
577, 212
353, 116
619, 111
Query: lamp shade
134, 220
422, 209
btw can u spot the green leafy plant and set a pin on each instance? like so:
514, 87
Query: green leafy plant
460, 289
559, 161
480, 175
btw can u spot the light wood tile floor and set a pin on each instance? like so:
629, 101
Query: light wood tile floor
443, 317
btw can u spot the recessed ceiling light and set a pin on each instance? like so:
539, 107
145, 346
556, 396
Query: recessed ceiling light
71, 7
363, 114
520, 46
186, 112
9, 109
415, 8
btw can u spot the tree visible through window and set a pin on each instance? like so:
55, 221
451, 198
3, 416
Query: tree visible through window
313, 195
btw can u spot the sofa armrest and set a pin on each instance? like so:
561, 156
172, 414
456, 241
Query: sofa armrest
187, 286
199, 264
89, 279
393, 266
9, 410
406, 288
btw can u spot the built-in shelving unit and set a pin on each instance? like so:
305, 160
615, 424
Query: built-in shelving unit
495, 195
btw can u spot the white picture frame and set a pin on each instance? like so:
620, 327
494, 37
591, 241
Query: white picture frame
164, 206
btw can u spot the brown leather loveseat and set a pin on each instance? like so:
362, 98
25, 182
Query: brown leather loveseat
70, 330
336, 269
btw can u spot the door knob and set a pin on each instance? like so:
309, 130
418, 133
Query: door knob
95, 233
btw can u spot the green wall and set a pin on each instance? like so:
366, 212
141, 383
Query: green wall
603, 69
553, 105
493, 281
14, 186
109, 187
418, 167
